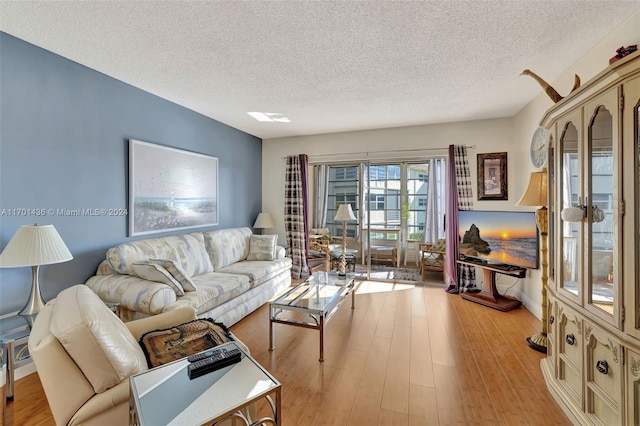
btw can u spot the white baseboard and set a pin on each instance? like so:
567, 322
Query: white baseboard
25, 368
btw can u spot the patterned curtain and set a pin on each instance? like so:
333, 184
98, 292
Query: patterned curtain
460, 198
296, 223
321, 196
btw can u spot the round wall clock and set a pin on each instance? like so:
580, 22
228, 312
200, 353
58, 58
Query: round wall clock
538, 148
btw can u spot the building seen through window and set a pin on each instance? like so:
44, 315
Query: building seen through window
383, 197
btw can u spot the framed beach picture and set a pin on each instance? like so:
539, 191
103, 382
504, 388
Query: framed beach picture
170, 189
492, 176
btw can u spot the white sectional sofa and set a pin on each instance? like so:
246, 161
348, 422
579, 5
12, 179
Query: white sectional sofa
224, 274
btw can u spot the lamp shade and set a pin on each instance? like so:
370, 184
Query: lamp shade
34, 245
345, 213
536, 192
264, 220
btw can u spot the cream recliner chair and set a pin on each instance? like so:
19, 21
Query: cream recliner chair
84, 355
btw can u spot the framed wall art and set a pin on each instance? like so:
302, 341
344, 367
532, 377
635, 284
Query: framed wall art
492, 176
170, 189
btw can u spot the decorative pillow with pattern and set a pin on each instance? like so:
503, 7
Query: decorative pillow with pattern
176, 272
155, 272
262, 247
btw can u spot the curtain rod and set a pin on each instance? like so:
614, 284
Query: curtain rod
366, 154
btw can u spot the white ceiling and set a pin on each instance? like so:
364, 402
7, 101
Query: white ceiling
330, 66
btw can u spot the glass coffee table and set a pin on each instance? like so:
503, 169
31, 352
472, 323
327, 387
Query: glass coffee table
318, 297
166, 396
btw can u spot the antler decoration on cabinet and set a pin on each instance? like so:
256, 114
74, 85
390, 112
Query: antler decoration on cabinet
550, 91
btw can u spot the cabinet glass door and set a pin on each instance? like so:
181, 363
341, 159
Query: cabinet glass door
569, 195
551, 185
602, 206
631, 218
636, 292
636, 127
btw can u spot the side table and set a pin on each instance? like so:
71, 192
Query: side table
411, 252
349, 256
14, 333
165, 396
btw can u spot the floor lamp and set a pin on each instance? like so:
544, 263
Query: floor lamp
536, 195
34, 245
344, 214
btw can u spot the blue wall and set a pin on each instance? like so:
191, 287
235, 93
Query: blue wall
64, 132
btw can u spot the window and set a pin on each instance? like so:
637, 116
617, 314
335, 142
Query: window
396, 197
376, 202
417, 183
344, 184
384, 196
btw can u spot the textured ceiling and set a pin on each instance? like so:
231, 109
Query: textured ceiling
329, 66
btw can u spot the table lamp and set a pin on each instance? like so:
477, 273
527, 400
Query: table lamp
34, 245
264, 220
536, 195
344, 214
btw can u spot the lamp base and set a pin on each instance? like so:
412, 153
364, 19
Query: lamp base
538, 342
35, 303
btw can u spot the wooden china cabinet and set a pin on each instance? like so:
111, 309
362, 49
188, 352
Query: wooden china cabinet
592, 366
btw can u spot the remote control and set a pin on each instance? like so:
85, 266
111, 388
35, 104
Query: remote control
213, 363
205, 354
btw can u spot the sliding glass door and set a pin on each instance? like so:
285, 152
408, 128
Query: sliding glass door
390, 202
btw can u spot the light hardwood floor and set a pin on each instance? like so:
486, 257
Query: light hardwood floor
404, 356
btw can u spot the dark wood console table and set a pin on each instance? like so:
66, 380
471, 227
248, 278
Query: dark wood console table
489, 296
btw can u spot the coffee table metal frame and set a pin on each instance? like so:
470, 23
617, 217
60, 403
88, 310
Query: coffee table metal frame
319, 297
204, 401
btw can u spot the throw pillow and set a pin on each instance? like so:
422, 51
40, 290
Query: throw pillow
262, 247
154, 272
176, 272
170, 344
440, 245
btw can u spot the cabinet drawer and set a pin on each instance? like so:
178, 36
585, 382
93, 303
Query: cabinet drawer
571, 380
633, 388
569, 337
603, 375
551, 316
551, 334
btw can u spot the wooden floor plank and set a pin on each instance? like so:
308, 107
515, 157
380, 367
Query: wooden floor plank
423, 408
395, 396
391, 418
405, 356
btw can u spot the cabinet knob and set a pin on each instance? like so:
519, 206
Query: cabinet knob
602, 366
552, 319
570, 339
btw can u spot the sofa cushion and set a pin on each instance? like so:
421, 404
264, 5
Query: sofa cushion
176, 272
98, 342
262, 247
258, 271
214, 289
188, 250
323, 233
227, 246
154, 272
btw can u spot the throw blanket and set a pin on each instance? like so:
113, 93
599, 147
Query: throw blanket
163, 346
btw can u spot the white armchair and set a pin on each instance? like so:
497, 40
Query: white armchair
84, 355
